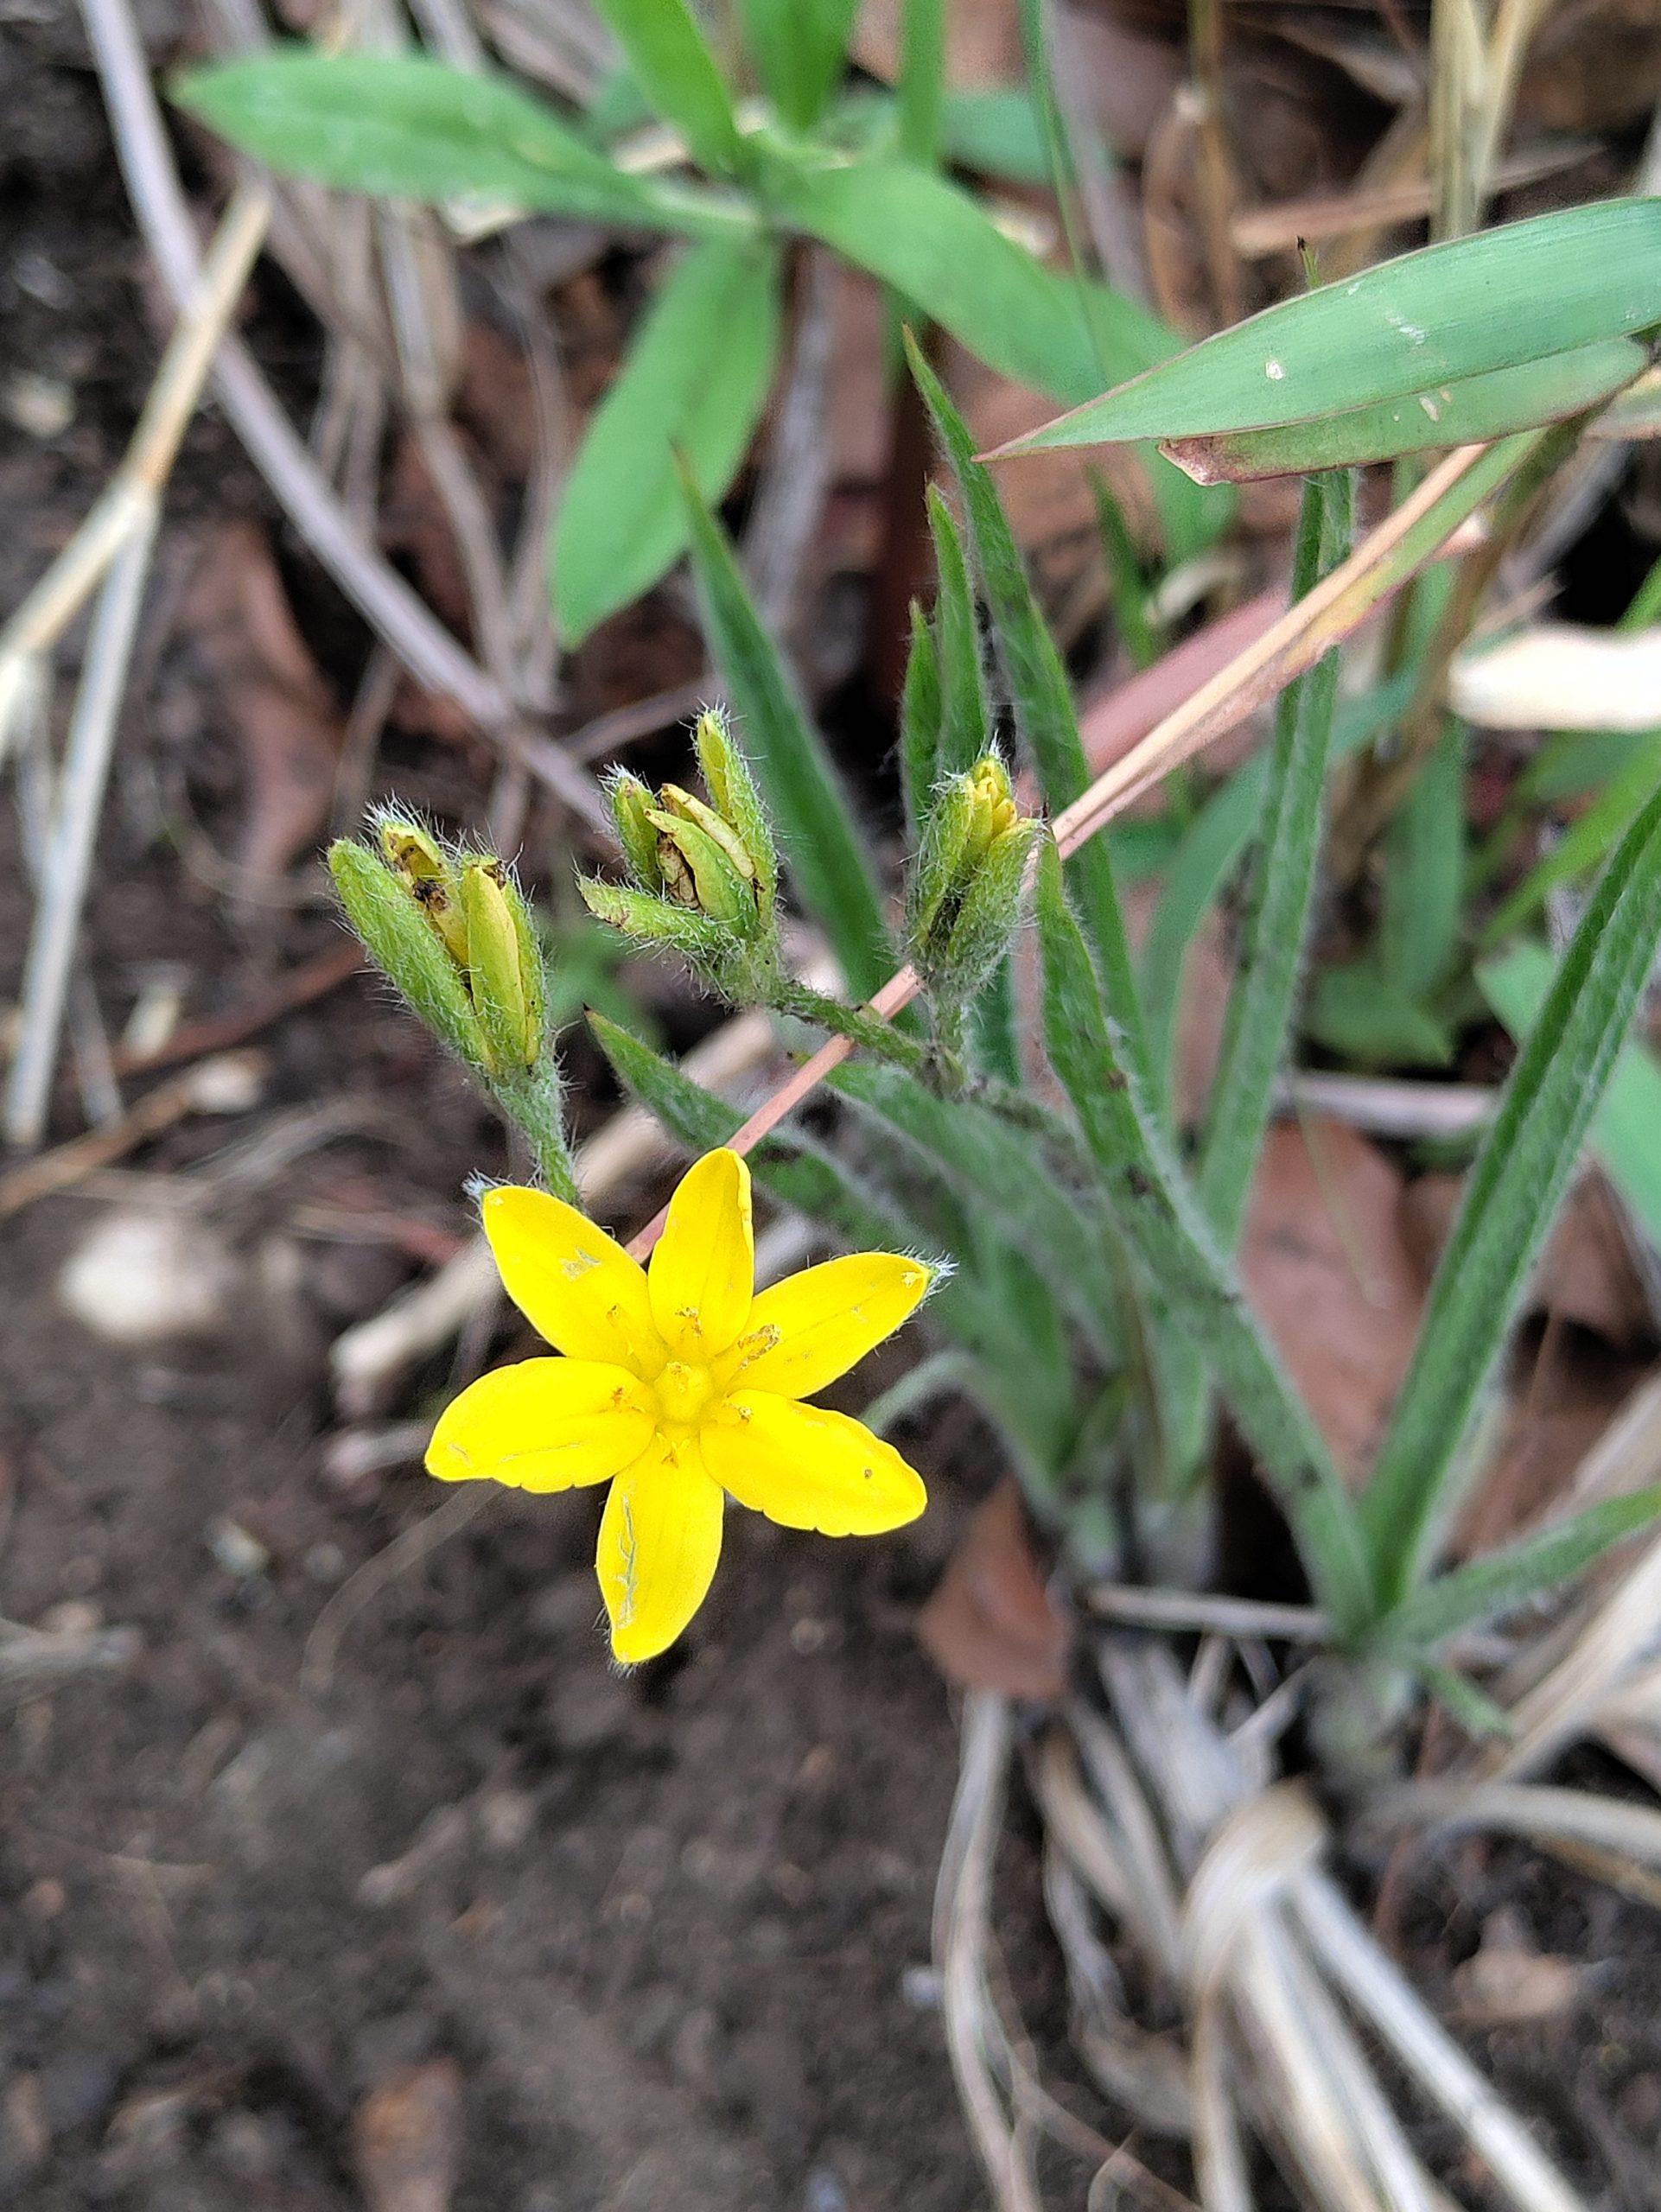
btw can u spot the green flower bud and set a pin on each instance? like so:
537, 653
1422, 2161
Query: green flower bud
965, 888
735, 798
504, 965
631, 803
653, 921
416, 855
387, 911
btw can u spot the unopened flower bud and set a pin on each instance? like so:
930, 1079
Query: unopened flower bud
631, 803
964, 894
392, 917
504, 965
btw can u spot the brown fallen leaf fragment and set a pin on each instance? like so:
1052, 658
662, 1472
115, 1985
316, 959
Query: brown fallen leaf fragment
1586, 1274
406, 2138
237, 623
1327, 1268
991, 1624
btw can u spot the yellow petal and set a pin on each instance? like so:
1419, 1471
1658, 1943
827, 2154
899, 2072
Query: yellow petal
808, 1468
659, 1539
572, 1282
812, 1328
546, 1424
702, 1273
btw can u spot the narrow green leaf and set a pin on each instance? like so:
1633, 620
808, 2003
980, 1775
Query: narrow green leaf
695, 381
1005, 1173
995, 132
823, 847
798, 47
1424, 870
411, 128
922, 79
935, 245
1516, 293
675, 69
1040, 696
1511, 1199
1262, 1002
1210, 851
1484, 1589
1471, 411
1361, 1014
965, 727
1627, 1127
1587, 839
1162, 1221
994, 1034
920, 711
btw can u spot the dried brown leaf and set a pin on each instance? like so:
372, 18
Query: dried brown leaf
990, 1624
406, 2138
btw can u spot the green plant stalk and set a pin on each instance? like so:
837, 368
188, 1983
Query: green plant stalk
1510, 1200
1262, 1004
1037, 685
533, 1102
882, 1038
1176, 1246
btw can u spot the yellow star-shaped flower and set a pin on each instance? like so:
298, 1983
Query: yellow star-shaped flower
679, 1383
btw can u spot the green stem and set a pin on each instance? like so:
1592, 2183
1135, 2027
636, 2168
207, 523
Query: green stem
856, 1023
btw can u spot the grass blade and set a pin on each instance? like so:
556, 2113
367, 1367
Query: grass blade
1627, 1128
1187, 1269
672, 64
798, 47
411, 128
695, 382
1405, 326
1510, 1200
1504, 1579
1261, 1004
965, 724
822, 847
1469, 412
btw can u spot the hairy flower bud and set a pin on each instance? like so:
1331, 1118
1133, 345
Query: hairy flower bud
505, 976
966, 887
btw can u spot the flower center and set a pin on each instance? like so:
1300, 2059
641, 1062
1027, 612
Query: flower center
684, 1392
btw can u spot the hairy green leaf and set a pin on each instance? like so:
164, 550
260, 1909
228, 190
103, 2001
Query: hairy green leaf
1162, 1221
1510, 1200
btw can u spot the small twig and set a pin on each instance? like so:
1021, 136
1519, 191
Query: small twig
67, 866
217, 1033
217, 1086
1193, 1611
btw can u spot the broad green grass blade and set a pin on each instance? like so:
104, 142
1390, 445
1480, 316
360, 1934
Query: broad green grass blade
822, 846
1627, 1127
1467, 413
675, 69
1005, 1173
410, 128
1261, 1004
1517, 294
1187, 1267
694, 383
1040, 696
798, 47
935, 245
1511, 1198
1424, 870
966, 726
1485, 1588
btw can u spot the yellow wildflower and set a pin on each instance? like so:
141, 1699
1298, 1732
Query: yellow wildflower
678, 1383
